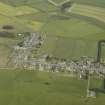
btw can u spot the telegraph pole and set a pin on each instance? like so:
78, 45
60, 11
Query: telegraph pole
88, 86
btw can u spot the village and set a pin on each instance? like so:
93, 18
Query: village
20, 59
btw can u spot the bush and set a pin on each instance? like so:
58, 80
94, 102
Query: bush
8, 27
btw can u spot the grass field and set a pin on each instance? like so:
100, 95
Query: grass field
94, 12
65, 38
22, 10
15, 11
44, 4
73, 28
6, 45
8, 16
69, 38
41, 88
18, 25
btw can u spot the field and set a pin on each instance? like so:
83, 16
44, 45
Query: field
71, 38
6, 49
90, 11
66, 37
8, 16
41, 88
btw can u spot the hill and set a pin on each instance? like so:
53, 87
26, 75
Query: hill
66, 37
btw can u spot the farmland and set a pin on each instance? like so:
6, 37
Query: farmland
8, 16
41, 88
89, 11
6, 45
69, 36
12, 11
84, 25
82, 28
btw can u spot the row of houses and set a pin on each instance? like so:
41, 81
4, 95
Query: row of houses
49, 63
83, 65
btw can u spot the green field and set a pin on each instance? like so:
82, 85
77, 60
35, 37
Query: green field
44, 3
89, 11
41, 88
68, 37
6, 49
71, 36
8, 16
